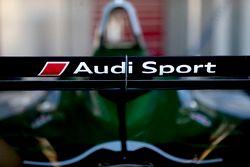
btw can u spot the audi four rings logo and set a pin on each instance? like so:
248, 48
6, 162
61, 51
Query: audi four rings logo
149, 67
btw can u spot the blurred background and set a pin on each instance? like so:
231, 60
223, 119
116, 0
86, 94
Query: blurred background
171, 27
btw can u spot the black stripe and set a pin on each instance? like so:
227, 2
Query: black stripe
231, 66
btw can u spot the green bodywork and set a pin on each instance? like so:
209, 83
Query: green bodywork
87, 117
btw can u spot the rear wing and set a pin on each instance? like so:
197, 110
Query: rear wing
126, 73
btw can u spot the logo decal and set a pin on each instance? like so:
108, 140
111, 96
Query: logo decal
53, 69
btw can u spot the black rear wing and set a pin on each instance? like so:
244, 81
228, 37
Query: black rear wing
126, 73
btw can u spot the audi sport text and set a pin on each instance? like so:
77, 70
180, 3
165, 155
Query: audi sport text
145, 68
